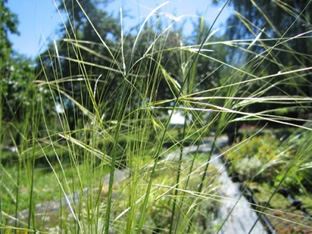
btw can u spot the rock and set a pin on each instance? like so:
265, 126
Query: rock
297, 204
283, 191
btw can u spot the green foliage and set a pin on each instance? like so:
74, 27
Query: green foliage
257, 159
267, 45
8, 24
116, 89
300, 175
18, 88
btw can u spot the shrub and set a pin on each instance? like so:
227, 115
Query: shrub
256, 159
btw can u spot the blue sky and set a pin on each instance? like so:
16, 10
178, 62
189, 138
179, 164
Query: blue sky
39, 20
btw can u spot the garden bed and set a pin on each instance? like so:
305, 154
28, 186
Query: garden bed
273, 178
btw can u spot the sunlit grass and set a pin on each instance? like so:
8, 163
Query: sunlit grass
116, 120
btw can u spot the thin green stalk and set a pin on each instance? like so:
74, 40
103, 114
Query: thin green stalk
111, 180
191, 167
149, 186
213, 145
186, 182
200, 188
35, 128
143, 210
1, 138
62, 225
17, 191
189, 89
177, 179
120, 115
17, 181
31, 211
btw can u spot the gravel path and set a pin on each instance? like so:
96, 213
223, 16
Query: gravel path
242, 216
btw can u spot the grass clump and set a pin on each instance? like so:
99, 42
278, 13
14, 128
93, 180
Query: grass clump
100, 114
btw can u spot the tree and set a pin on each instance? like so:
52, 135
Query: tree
282, 33
10, 82
18, 89
8, 24
86, 56
275, 19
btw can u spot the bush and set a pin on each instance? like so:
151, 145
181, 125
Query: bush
257, 159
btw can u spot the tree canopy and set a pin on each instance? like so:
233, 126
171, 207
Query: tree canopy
273, 37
